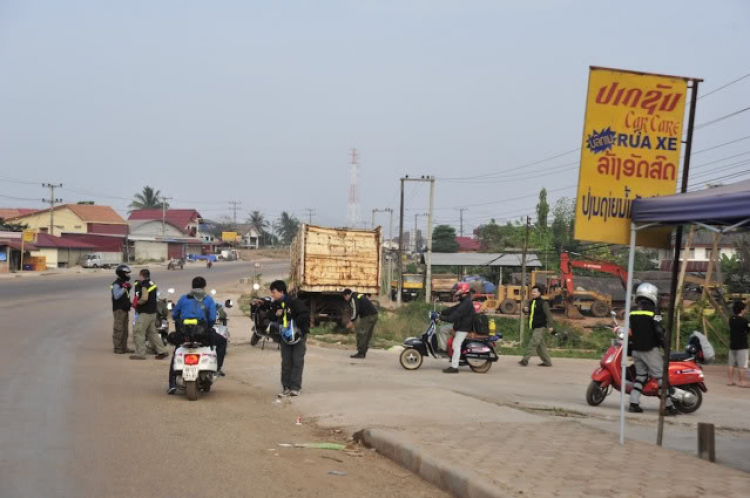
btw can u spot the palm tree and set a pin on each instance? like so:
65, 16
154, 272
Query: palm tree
286, 227
259, 224
148, 199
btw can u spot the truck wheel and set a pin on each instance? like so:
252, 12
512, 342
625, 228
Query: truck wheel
411, 359
508, 307
191, 389
600, 309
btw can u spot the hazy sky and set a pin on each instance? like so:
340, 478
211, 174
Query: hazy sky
260, 102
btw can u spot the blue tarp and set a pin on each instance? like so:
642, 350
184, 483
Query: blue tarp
726, 205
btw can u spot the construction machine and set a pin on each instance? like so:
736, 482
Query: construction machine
598, 304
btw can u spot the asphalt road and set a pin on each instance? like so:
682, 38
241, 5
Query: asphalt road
77, 420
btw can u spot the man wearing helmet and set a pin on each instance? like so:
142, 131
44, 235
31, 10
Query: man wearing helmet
294, 318
462, 318
646, 338
120, 294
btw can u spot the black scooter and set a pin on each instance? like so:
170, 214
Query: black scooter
479, 354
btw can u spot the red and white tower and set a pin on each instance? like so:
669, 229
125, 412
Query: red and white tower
353, 208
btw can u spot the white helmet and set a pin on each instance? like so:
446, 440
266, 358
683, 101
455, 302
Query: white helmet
648, 291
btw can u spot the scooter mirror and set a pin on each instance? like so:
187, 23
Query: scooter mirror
213, 292
256, 286
170, 290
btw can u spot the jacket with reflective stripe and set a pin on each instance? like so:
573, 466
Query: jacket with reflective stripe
149, 306
645, 335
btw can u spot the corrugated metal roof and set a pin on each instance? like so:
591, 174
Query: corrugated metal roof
482, 259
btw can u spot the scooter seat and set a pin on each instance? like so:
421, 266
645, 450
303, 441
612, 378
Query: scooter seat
679, 357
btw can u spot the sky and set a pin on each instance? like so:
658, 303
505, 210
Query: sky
262, 102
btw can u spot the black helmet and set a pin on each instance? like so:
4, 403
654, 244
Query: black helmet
123, 271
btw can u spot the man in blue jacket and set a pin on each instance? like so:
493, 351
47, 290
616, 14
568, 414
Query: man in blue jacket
196, 305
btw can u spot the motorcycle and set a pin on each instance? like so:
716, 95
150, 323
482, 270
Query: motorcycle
222, 319
209, 264
476, 351
176, 263
686, 378
164, 306
264, 328
195, 367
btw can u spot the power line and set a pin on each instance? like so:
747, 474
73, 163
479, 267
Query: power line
724, 86
719, 119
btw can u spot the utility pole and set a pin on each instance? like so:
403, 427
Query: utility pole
235, 205
524, 287
400, 288
461, 230
164, 215
386, 275
51, 201
310, 214
428, 260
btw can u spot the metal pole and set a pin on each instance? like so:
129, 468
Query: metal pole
414, 238
524, 287
390, 260
372, 222
675, 264
400, 248
428, 261
626, 329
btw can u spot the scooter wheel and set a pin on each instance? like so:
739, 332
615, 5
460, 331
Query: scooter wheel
595, 394
255, 339
692, 407
191, 389
479, 366
411, 359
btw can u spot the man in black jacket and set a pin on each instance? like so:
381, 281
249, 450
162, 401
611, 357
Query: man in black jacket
462, 318
292, 350
365, 316
145, 325
540, 321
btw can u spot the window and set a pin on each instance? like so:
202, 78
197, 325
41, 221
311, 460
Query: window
708, 253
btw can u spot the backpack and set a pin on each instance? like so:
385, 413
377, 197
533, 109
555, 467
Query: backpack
481, 324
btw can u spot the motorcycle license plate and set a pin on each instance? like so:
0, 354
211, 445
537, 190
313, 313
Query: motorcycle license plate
189, 373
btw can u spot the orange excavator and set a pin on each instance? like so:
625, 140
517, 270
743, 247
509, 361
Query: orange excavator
598, 304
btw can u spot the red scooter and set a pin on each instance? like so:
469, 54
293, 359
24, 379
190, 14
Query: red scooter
686, 377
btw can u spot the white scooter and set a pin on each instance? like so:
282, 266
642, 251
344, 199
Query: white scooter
222, 319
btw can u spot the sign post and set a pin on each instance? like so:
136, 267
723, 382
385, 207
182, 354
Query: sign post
27, 236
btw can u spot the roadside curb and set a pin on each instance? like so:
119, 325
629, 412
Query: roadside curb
435, 471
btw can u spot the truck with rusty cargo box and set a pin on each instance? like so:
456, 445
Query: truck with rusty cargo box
325, 261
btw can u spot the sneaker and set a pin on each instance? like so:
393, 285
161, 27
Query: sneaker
545, 364
221, 373
523, 363
161, 356
171, 390
137, 357
450, 370
119, 351
359, 355
294, 392
285, 393
634, 408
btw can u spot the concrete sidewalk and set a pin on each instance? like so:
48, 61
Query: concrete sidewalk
494, 444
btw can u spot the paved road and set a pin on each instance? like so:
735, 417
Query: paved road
76, 420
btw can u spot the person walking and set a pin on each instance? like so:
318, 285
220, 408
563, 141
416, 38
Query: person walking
145, 325
739, 328
364, 318
540, 322
120, 294
293, 338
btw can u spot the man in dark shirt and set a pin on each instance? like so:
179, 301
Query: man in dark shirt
738, 349
293, 348
364, 317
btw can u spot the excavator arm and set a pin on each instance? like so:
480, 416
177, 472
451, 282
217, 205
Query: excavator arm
566, 274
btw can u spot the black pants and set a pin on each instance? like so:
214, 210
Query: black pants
292, 364
218, 341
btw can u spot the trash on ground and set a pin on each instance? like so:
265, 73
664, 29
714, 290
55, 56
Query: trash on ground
315, 446
337, 473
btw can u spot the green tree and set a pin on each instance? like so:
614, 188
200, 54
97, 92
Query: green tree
286, 227
148, 198
444, 239
542, 209
258, 221
6, 226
